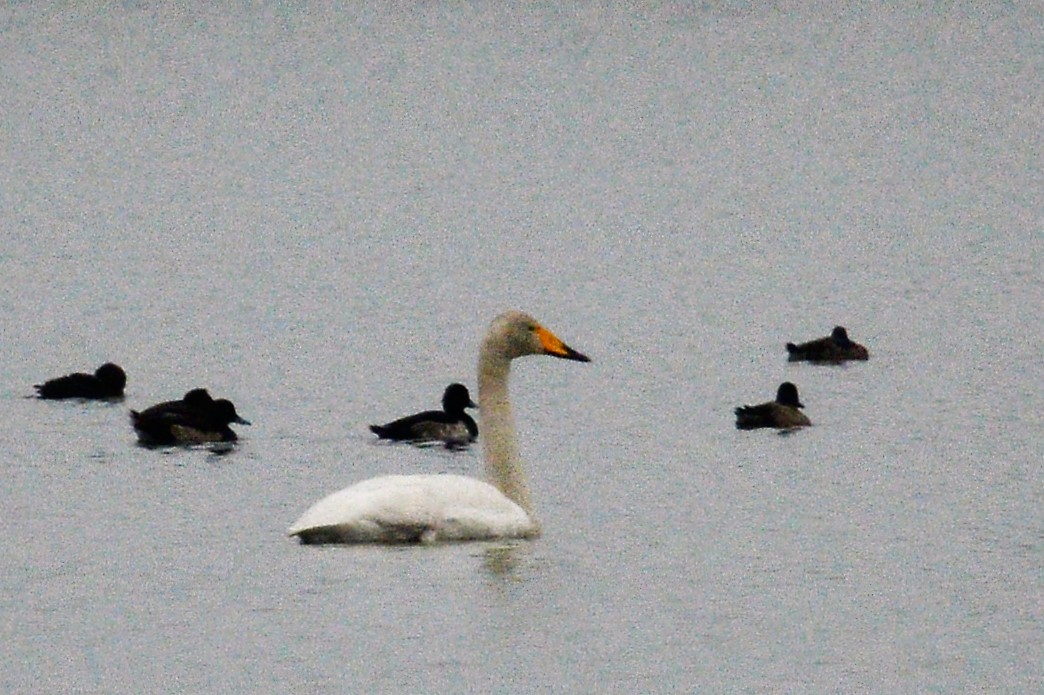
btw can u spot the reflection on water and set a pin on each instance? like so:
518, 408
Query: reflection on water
503, 561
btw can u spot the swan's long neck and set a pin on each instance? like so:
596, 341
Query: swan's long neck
497, 429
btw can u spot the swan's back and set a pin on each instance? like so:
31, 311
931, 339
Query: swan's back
414, 508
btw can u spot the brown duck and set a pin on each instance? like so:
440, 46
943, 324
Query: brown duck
781, 413
834, 348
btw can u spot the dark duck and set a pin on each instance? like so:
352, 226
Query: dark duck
781, 413
451, 425
834, 348
195, 419
107, 382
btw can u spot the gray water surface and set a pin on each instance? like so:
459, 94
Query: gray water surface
316, 212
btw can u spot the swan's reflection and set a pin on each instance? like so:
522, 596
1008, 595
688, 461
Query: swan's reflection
504, 561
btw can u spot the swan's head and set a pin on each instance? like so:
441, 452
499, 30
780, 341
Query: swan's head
516, 334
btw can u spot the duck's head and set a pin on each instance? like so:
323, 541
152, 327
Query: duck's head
788, 395
112, 376
225, 412
456, 398
840, 336
198, 398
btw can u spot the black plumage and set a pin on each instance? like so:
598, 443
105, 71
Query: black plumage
195, 419
107, 382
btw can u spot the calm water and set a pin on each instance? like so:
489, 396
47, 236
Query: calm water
316, 213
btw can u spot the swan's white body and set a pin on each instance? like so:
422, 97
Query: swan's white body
431, 508
408, 508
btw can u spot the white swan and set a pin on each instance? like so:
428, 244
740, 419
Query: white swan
430, 508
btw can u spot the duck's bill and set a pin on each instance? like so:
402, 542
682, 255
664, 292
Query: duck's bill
556, 348
241, 421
